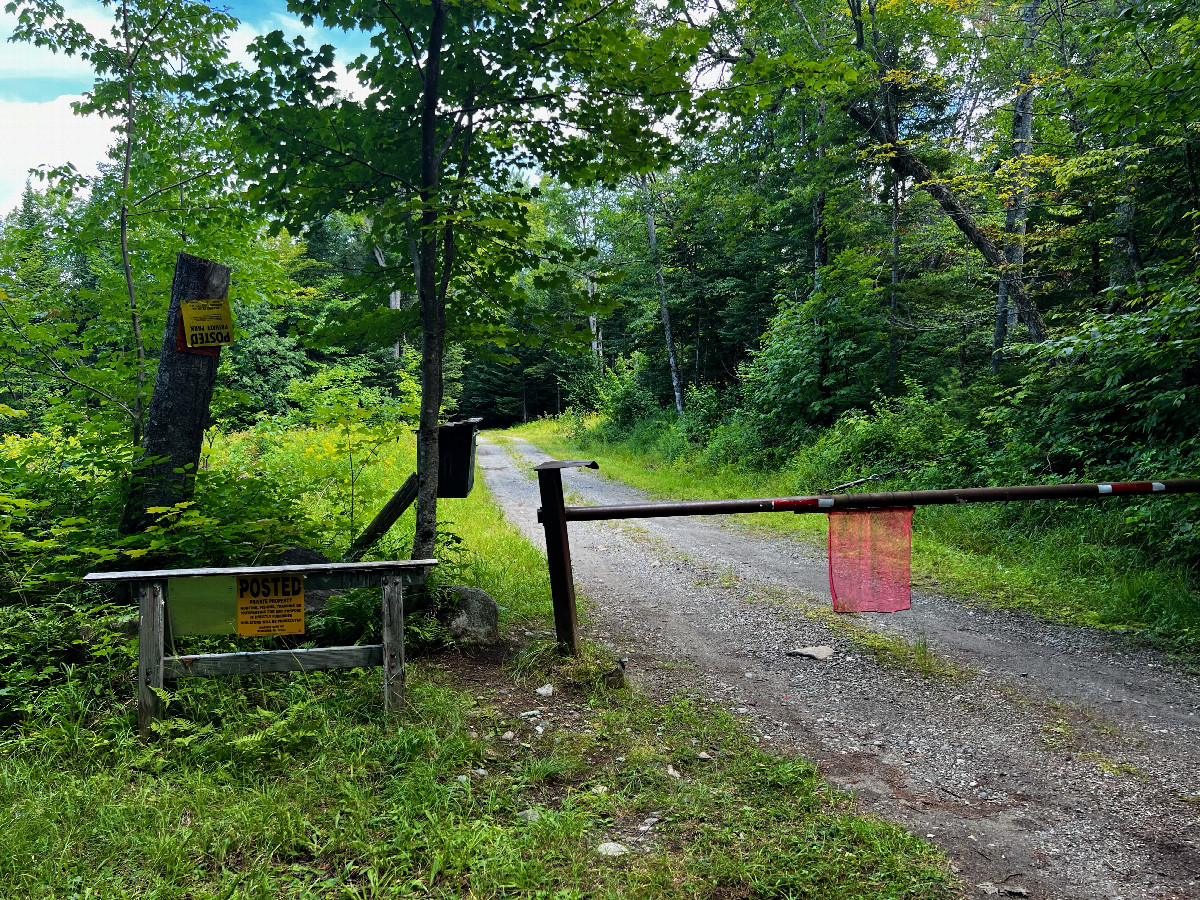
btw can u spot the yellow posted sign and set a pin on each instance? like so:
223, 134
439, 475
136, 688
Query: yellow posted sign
207, 323
270, 604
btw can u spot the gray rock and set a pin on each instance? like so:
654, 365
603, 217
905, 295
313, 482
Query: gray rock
314, 601
611, 848
529, 815
821, 652
296, 555
475, 620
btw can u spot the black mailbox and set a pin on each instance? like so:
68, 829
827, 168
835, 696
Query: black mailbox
456, 457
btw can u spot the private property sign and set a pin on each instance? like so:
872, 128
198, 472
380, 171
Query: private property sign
270, 604
245, 605
207, 323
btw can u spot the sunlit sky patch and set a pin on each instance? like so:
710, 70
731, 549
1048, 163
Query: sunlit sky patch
37, 88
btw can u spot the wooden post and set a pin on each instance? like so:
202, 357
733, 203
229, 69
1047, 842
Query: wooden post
393, 643
558, 558
150, 653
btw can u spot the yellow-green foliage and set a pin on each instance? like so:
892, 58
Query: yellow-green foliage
343, 475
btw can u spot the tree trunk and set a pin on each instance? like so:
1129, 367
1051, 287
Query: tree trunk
126, 167
1017, 215
1127, 259
594, 325
433, 311
906, 164
662, 301
395, 298
820, 231
893, 336
178, 413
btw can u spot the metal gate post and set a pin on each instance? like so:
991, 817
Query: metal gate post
558, 549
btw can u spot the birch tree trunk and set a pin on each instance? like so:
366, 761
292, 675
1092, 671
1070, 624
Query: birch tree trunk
662, 298
1017, 214
395, 298
594, 325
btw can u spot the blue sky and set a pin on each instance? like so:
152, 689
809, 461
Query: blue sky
37, 87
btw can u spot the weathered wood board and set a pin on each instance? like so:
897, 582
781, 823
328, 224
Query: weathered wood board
208, 665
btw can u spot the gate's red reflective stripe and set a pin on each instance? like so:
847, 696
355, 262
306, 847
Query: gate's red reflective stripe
802, 503
1129, 487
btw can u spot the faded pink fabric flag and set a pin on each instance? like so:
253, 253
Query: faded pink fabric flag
869, 558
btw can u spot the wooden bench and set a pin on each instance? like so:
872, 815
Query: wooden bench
154, 597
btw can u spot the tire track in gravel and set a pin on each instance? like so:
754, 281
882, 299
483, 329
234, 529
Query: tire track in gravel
1064, 762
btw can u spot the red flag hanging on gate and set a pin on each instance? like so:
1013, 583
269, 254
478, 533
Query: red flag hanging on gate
869, 559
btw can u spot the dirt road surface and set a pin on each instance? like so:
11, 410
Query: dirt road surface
1061, 763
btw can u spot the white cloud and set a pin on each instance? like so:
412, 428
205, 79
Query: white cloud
25, 61
37, 124
50, 133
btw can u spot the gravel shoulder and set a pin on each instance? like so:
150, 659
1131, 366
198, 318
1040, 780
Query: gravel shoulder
1062, 762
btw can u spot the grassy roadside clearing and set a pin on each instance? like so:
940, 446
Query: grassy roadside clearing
293, 786
1058, 574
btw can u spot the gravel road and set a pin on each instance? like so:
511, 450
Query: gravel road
1062, 763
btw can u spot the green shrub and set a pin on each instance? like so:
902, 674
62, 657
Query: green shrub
625, 398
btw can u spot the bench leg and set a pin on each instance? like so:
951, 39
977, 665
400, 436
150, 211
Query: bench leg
393, 644
150, 653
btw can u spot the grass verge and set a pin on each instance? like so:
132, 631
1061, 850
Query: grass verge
295, 786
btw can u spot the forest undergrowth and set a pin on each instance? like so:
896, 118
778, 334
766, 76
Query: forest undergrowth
298, 786
1081, 562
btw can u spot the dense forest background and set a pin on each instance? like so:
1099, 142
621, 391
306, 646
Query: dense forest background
946, 243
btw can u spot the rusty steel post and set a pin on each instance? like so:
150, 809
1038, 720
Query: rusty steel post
558, 550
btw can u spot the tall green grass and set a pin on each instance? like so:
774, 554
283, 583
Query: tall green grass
316, 466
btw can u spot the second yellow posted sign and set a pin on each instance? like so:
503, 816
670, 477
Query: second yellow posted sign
207, 323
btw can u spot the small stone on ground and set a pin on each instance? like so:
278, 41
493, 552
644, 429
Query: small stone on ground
611, 848
821, 652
